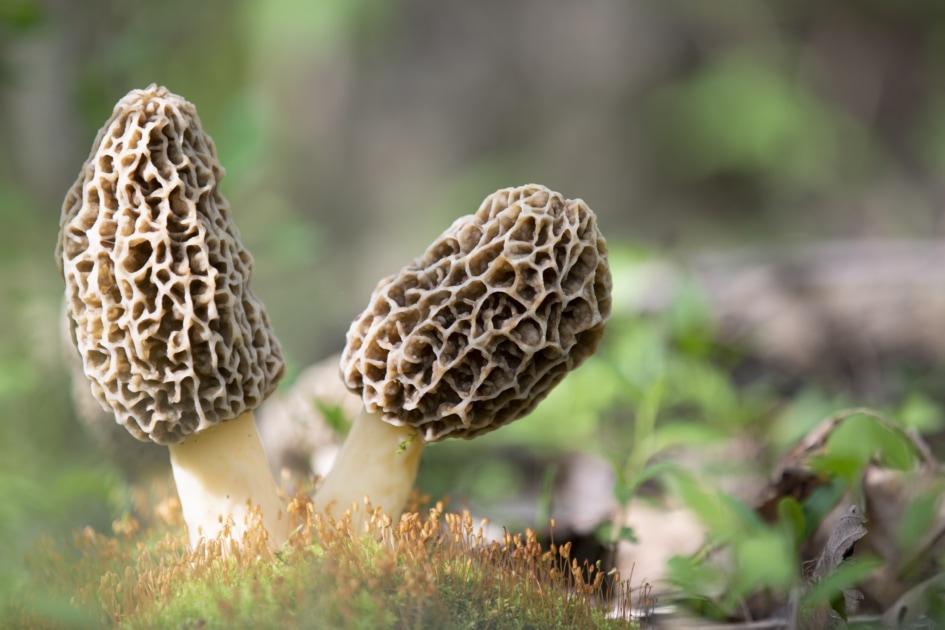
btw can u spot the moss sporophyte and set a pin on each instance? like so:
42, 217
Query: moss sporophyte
429, 569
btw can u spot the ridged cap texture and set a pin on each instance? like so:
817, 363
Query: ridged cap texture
475, 333
157, 280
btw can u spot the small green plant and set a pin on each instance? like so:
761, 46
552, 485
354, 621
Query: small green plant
774, 551
661, 396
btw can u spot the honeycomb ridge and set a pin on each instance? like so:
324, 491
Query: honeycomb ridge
157, 280
475, 333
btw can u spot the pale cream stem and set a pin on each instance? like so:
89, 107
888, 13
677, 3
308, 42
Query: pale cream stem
218, 473
379, 461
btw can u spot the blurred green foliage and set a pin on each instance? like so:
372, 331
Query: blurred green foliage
18, 16
750, 97
741, 115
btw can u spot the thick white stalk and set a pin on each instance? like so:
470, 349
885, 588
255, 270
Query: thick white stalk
218, 473
378, 461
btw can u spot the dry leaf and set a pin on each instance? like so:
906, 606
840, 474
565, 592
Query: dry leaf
840, 545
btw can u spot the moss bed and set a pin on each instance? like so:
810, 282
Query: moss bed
432, 569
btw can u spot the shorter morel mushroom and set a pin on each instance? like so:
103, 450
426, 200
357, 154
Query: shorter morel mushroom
469, 337
157, 291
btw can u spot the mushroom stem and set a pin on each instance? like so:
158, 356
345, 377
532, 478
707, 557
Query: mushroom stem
378, 461
222, 472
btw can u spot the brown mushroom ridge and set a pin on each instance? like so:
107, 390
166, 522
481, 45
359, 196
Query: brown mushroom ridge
474, 333
157, 280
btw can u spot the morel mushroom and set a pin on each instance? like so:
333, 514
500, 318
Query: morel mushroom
469, 337
157, 290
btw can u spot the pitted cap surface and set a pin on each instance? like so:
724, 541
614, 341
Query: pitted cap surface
477, 331
157, 280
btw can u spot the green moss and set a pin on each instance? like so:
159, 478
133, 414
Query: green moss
433, 572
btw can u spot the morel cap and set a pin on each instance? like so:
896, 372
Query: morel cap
475, 333
157, 278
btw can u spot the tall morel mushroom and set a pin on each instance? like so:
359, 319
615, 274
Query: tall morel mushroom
157, 290
469, 337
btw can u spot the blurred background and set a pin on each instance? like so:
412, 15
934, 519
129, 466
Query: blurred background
354, 131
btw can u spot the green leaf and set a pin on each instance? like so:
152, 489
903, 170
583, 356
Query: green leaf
697, 580
763, 560
919, 411
605, 533
657, 469
705, 503
334, 416
625, 490
791, 518
862, 437
850, 573
799, 417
